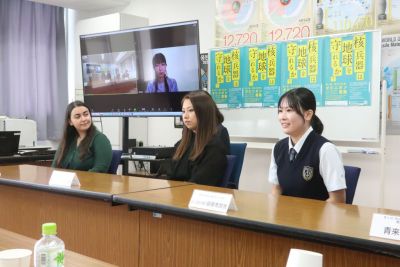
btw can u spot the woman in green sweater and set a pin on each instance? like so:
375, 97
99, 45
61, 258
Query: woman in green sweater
82, 147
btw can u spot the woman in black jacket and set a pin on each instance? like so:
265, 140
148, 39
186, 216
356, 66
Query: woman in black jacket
200, 155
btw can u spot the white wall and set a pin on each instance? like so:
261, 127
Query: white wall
254, 174
161, 12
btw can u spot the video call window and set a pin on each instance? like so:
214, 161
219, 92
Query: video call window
144, 70
108, 72
165, 65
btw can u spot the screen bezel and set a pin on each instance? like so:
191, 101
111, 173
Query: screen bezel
174, 97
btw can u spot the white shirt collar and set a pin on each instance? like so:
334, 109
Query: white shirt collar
300, 143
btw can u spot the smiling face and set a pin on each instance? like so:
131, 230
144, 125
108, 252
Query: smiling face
292, 123
188, 115
80, 119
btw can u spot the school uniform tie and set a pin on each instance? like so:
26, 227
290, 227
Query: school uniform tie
292, 154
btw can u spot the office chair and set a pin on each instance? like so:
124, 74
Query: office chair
237, 149
116, 159
231, 159
351, 175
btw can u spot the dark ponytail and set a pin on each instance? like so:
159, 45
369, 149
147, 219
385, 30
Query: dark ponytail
317, 124
302, 99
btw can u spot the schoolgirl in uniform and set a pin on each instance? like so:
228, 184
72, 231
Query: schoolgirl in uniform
305, 164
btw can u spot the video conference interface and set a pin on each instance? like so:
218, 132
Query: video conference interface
141, 70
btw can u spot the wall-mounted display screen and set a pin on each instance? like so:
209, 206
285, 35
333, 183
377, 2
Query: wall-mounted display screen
140, 72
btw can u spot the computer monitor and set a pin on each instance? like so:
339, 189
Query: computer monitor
141, 72
9, 142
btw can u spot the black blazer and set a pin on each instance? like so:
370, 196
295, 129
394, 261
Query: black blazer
207, 169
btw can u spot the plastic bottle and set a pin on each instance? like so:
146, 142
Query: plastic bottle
49, 250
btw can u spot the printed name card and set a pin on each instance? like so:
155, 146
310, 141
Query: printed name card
212, 201
64, 179
385, 226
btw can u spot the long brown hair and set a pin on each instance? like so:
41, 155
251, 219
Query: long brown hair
70, 133
206, 114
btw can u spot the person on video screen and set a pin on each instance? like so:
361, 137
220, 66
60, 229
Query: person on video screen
161, 83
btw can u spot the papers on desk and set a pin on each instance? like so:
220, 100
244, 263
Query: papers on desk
138, 157
144, 157
212, 201
64, 179
362, 150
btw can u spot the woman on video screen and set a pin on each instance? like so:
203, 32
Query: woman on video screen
161, 83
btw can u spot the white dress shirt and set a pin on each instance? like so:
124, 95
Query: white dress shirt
330, 164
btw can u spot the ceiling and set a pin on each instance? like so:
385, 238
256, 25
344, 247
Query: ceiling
85, 5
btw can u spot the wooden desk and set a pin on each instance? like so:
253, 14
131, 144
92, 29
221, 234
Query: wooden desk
10, 240
87, 219
260, 233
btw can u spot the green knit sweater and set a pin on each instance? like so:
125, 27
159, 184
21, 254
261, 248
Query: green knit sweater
97, 160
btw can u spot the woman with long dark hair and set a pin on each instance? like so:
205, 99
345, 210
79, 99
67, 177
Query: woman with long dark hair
305, 164
82, 147
161, 83
200, 155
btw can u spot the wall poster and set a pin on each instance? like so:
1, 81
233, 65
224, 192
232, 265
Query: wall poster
204, 70
388, 15
286, 20
391, 73
340, 16
336, 68
237, 23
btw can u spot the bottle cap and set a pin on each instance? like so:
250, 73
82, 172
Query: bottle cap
49, 228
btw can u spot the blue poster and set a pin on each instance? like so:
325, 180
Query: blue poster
302, 66
261, 75
337, 69
347, 72
225, 77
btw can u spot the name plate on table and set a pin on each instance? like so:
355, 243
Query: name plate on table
64, 179
212, 201
385, 226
